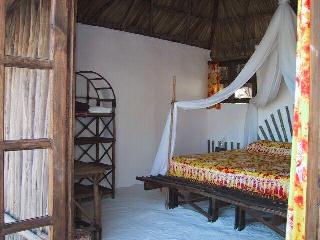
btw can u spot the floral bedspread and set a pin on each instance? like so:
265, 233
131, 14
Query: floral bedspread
258, 173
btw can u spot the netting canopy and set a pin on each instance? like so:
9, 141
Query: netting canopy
273, 60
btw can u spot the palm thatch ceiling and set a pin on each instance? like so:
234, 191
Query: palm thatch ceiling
229, 28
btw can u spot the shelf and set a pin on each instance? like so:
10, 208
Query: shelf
84, 233
92, 140
84, 169
86, 191
88, 114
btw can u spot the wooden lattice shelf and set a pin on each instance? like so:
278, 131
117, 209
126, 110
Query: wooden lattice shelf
92, 140
95, 136
86, 191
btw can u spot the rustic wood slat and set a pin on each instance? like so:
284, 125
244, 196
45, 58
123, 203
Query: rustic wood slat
71, 112
269, 130
84, 169
2, 94
289, 119
92, 140
235, 197
276, 127
26, 62
25, 144
151, 18
86, 191
127, 14
265, 222
282, 126
263, 133
214, 12
58, 172
23, 225
188, 21
313, 183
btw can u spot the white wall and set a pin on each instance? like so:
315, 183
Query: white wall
228, 123
140, 70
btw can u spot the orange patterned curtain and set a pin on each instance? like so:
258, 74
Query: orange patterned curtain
214, 79
298, 175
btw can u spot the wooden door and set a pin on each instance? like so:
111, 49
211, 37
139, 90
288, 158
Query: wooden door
36, 91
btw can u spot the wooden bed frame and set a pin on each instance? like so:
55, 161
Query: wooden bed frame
276, 127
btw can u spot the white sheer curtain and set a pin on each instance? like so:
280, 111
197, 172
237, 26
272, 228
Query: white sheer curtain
277, 48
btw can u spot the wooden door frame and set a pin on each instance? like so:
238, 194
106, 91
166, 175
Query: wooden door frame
61, 62
72, 16
313, 183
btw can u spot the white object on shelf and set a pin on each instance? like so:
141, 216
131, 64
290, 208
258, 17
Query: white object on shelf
100, 110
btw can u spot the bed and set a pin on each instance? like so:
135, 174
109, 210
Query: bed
252, 179
263, 168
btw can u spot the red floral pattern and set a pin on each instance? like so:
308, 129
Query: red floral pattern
298, 179
255, 172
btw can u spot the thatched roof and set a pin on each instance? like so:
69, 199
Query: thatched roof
230, 28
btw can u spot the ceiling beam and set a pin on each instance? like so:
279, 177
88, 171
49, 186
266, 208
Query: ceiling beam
244, 23
214, 17
174, 10
102, 10
151, 18
127, 14
188, 20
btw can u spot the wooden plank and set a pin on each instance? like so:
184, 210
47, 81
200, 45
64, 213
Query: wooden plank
26, 62
231, 196
265, 222
188, 21
23, 225
25, 144
127, 14
263, 133
58, 173
97, 204
282, 126
85, 169
269, 130
289, 119
95, 17
313, 187
72, 8
151, 18
2, 94
276, 127
214, 17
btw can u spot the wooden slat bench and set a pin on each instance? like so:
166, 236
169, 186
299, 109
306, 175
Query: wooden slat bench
243, 201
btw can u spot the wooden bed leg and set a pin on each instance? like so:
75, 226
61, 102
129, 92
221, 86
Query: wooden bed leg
173, 198
213, 209
242, 219
236, 217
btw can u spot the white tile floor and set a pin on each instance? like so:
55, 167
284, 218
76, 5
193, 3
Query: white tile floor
136, 214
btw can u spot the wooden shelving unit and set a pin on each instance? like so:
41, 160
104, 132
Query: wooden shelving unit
96, 133
95, 148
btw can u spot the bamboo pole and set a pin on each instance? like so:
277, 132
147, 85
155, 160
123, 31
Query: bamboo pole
171, 114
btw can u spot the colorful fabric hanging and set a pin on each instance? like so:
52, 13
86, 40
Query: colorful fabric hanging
214, 79
298, 175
